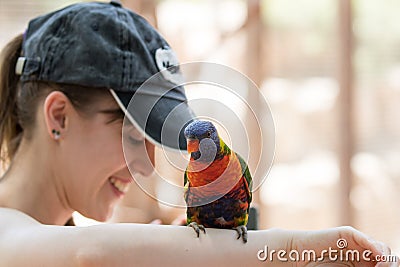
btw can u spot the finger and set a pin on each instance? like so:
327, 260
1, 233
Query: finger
396, 262
364, 241
156, 221
387, 264
387, 256
180, 220
383, 249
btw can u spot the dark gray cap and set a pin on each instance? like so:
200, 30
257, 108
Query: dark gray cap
105, 45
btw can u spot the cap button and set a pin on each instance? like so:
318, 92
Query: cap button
116, 3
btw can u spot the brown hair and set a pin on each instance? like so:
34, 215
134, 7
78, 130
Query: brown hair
19, 101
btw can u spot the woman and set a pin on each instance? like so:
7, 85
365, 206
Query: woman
65, 87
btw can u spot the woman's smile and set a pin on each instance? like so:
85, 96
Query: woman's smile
119, 186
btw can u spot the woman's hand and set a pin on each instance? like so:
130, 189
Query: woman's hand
178, 221
341, 246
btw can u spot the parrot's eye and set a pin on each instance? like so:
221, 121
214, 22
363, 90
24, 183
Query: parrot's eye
208, 134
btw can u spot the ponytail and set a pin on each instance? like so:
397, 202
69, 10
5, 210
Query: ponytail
10, 129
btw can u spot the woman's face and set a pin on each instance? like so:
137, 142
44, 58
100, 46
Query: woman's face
92, 165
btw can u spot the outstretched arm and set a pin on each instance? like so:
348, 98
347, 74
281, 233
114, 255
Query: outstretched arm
25, 242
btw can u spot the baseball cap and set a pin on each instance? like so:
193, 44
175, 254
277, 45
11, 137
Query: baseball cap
104, 45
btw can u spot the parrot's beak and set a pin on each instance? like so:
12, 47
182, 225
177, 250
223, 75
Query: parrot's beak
192, 145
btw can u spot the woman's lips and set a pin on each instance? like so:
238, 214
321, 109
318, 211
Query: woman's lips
120, 185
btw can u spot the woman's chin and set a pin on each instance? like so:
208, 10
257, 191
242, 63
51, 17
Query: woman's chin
100, 215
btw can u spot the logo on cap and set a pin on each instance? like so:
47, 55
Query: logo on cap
168, 65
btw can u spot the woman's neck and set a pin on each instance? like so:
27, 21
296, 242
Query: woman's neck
30, 186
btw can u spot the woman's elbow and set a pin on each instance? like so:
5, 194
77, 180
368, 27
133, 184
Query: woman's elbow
89, 258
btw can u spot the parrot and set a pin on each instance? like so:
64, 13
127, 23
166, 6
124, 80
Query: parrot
217, 182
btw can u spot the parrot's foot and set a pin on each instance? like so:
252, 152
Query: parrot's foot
197, 228
242, 232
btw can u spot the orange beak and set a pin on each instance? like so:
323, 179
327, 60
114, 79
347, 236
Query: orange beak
192, 145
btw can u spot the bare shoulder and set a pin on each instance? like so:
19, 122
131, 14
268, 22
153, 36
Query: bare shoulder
10, 218
14, 215
20, 232
12, 222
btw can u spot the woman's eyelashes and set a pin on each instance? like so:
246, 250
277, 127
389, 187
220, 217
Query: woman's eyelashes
132, 135
134, 141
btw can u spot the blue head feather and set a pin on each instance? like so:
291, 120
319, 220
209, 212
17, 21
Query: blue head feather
201, 130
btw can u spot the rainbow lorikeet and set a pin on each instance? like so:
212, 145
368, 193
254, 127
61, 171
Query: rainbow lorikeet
217, 182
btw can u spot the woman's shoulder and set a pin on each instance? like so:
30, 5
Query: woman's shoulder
11, 217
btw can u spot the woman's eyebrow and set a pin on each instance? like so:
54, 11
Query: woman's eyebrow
112, 111
116, 113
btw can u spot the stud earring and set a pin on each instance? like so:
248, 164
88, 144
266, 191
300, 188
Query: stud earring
56, 134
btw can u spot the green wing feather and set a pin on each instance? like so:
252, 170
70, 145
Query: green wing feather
186, 186
247, 176
245, 169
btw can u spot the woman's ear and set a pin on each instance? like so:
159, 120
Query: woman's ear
55, 113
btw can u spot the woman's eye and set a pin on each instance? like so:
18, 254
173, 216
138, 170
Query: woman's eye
134, 141
132, 136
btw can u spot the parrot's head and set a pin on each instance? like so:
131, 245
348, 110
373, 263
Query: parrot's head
202, 140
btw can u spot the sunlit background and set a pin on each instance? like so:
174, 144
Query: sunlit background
330, 70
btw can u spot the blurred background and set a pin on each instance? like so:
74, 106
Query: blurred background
330, 71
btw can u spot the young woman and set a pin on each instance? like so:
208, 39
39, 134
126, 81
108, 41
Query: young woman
65, 87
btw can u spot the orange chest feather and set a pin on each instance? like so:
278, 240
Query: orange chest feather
221, 172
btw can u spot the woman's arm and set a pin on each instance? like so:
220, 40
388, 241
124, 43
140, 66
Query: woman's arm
24, 242
161, 245
27, 243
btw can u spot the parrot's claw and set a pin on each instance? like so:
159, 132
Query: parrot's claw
197, 228
242, 232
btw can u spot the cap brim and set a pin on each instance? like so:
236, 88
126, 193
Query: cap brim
161, 118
